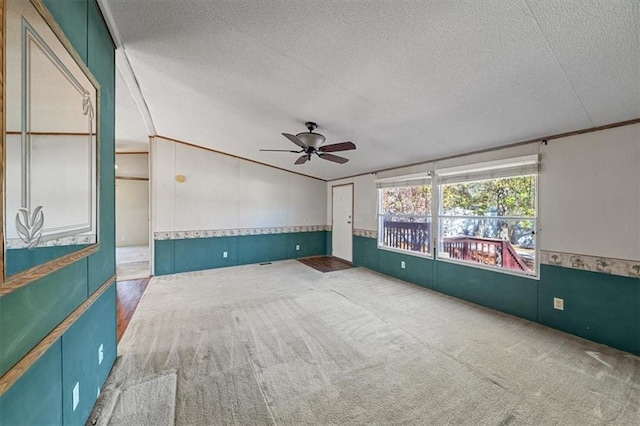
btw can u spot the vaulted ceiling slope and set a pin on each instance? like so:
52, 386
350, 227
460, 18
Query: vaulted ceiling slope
404, 80
132, 134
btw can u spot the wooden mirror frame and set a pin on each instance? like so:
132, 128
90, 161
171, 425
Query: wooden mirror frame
20, 279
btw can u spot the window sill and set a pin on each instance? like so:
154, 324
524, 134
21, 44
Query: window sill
407, 252
531, 275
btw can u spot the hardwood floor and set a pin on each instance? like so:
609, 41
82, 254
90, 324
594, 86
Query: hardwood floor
326, 263
129, 295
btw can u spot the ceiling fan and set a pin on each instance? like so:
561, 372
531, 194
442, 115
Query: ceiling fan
311, 143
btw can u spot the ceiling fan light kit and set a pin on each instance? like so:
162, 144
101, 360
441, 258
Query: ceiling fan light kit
311, 143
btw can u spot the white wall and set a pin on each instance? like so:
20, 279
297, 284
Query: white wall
225, 192
132, 213
132, 165
589, 192
365, 201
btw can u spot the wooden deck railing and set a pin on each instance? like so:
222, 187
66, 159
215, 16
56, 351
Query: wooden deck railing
414, 236
487, 251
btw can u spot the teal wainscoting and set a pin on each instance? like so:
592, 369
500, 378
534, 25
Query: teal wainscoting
329, 243
196, 254
28, 314
205, 253
101, 62
503, 292
311, 244
164, 255
43, 393
18, 260
262, 248
36, 399
417, 270
365, 252
600, 307
80, 345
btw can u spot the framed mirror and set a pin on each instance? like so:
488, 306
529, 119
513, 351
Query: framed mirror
49, 146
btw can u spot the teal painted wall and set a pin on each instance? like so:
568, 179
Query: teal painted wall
503, 292
18, 260
599, 307
195, 254
36, 399
27, 315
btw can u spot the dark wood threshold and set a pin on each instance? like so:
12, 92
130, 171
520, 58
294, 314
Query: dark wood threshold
326, 263
129, 295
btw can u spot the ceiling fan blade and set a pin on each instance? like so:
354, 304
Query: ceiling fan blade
295, 140
302, 159
334, 158
280, 150
342, 146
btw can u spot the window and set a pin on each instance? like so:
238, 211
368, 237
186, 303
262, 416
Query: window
405, 216
490, 222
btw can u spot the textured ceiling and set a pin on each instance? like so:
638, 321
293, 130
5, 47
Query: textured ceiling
404, 80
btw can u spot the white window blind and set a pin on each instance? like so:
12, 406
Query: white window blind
402, 181
519, 166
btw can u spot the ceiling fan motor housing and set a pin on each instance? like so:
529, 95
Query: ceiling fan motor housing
311, 139
309, 143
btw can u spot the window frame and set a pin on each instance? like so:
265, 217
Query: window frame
428, 218
534, 274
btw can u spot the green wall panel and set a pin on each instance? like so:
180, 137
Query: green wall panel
389, 263
101, 62
599, 307
418, 270
18, 260
261, 248
71, 16
27, 315
164, 257
31, 312
365, 252
329, 243
205, 253
503, 292
80, 361
45, 254
311, 244
36, 399
175, 256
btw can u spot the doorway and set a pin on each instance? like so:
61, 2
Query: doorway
342, 221
132, 216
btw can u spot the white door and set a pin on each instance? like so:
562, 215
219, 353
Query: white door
342, 222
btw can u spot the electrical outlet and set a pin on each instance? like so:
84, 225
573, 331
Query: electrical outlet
100, 353
297, 246
75, 396
558, 304
224, 254
402, 265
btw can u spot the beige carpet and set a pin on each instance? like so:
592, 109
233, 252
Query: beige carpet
132, 262
286, 344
